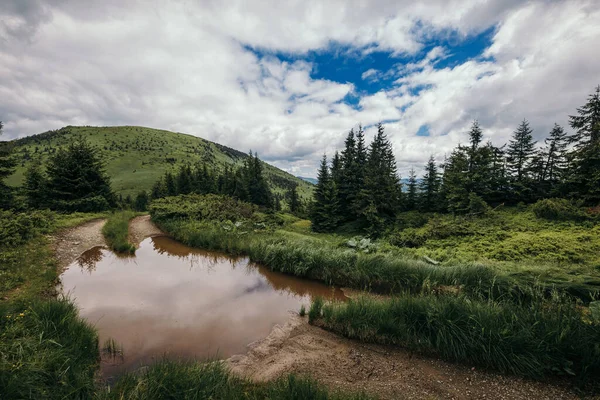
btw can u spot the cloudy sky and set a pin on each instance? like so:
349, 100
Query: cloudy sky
290, 78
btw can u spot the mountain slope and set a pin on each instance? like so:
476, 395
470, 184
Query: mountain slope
136, 156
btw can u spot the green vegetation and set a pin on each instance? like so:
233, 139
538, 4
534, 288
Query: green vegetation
116, 232
7, 164
46, 351
361, 187
189, 380
315, 309
536, 339
136, 157
287, 246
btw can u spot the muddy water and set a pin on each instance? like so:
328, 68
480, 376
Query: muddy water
177, 301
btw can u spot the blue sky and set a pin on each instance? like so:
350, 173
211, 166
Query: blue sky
289, 79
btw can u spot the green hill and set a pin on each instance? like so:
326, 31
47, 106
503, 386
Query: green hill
136, 156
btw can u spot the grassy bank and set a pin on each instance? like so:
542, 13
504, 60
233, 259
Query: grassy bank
116, 232
318, 259
194, 380
539, 339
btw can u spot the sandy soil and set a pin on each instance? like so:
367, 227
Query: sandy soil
141, 228
71, 243
390, 373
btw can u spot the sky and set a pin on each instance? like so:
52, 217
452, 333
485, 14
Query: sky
289, 79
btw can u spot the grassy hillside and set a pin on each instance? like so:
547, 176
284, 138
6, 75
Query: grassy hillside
136, 156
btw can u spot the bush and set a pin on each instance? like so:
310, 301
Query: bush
202, 207
17, 228
558, 210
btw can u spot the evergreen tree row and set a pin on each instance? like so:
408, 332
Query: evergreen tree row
362, 185
246, 183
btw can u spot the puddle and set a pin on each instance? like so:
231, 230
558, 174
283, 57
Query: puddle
173, 300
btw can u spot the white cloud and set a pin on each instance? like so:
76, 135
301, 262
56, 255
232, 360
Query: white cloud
185, 66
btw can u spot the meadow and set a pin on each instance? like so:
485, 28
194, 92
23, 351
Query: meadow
136, 157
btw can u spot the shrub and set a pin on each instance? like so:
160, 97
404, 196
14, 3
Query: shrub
17, 228
557, 210
202, 207
302, 312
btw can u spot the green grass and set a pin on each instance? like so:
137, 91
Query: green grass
190, 380
27, 266
116, 232
537, 339
136, 156
46, 351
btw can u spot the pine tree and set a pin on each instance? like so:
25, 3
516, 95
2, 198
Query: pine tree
184, 180
455, 181
324, 208
498, 179
255, 183
158, 190
520, 150
348, 186
430, 187
35, 186
555, 156
411, 194
382, 188
141, 201
479, 163
584, 177
170, 184
77, 180
294, 200
7, 164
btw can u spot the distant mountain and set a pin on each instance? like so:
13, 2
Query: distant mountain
314, 181
136, 156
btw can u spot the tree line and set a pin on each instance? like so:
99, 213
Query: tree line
361, 184
246, 183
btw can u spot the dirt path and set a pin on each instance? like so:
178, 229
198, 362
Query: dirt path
71, 243
389, 373
141, 228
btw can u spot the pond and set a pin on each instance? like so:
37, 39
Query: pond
170, 300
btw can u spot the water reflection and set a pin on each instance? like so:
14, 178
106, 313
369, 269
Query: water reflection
175, 300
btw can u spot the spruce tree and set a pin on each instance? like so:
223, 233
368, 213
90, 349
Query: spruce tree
381, 194
35, 186
184, 180
555, 156
455, 181
411, 193
520, 150
7, 164
170, 184
584, 176
430, 187
77, 180
349, 185
324, 208
158, 190
141, 201
294, 200
255, 183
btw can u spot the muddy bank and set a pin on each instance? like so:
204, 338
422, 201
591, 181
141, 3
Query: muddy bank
390, 373
71, 243
141, 228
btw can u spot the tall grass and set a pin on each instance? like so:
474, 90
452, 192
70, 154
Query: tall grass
116, 232
384, 273
536, 339
189, 380
46, 351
